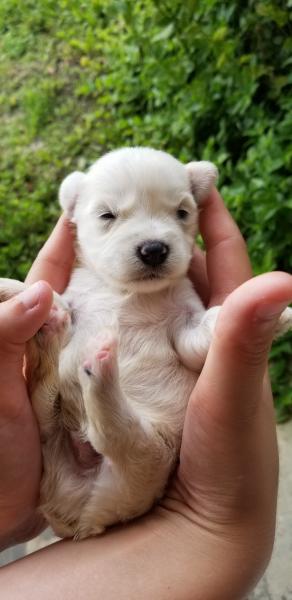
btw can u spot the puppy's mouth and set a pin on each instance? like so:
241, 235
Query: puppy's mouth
150, 275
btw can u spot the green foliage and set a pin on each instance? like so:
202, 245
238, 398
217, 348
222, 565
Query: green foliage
200, 78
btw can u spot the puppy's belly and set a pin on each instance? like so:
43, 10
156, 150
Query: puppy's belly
84, 492
158, 390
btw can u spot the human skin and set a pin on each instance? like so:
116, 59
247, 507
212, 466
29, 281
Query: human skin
212, 534
20, 455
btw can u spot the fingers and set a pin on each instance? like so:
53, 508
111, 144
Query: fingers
231, 382
21, 317
55, 260
198, 275
227, 261
228, 463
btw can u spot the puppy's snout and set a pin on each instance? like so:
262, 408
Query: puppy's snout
153, 252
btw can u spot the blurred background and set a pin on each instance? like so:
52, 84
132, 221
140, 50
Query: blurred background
201, 79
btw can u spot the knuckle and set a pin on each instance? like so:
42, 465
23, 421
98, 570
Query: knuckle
253, 353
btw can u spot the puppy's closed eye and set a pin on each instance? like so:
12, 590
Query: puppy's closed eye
107, 216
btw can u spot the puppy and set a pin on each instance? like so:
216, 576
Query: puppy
111, 372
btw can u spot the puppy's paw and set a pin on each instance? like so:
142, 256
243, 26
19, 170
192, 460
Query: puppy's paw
83, 533
102, 358
57, 323
10, 288
284, 323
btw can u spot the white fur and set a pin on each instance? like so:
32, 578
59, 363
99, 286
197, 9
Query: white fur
119, 375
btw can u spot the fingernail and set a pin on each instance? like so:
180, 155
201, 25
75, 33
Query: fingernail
269, 312
31, 296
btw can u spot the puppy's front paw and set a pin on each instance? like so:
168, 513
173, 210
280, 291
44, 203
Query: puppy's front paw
284, 323
56, 325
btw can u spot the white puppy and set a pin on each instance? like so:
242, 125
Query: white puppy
111, 372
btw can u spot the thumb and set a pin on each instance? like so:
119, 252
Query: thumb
232, 379
21, 317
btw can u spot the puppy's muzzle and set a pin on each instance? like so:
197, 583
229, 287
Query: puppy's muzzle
153, 253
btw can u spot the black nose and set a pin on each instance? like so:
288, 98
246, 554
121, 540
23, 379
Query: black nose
153, 253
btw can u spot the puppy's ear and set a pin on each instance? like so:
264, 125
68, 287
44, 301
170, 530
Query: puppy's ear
69, 191
202, 175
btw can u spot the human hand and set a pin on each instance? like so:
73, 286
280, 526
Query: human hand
20, 453
211, 536
226, 484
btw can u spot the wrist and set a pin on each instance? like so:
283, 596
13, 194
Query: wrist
161, 555
214, 562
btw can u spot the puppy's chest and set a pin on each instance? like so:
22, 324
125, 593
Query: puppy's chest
145, 337
142, 327
135, 322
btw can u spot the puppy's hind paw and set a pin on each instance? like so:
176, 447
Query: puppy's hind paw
103, 359
83, 533
93, 366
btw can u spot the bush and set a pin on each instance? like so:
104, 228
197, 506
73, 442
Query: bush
201, 79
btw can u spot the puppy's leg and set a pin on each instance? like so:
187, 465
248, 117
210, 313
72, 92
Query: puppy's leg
192, 342
113, 425
42, 365
42, 356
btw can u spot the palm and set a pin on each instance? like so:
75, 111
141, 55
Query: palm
20, 452
23, 462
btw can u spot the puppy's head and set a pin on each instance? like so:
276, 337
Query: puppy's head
136, 212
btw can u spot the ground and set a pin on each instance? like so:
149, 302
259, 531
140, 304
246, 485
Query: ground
277, 582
